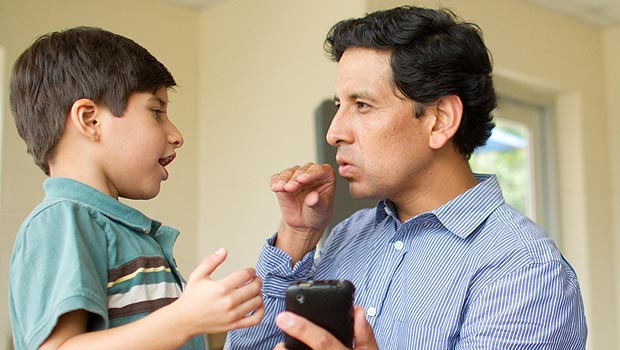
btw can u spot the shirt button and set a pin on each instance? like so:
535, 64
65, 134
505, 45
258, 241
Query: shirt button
399, 245
371, 312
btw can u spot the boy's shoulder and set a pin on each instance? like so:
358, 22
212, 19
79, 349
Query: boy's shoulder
70, 210
61, 199
75, 198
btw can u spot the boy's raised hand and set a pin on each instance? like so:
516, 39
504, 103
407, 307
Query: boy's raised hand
306, 198
234, 301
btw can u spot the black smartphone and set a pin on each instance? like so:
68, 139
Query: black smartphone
326, 303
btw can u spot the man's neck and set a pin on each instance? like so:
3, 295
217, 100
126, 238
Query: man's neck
442, 183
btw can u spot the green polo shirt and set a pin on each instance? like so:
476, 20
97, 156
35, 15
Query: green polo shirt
81, 249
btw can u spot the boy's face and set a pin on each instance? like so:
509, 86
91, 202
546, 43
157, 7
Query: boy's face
137, 147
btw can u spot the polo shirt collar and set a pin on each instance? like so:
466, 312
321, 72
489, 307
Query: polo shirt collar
65, 188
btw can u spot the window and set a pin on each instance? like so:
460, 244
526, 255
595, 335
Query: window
520, 153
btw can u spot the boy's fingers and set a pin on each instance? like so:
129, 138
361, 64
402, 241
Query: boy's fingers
249, 306
248, 290
250, 320
239, 278
208, 265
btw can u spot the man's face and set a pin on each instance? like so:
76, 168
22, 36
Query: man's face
382, 147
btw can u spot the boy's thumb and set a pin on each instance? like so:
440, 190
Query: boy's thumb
208, 265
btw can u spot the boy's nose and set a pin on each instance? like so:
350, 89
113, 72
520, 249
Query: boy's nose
174, 136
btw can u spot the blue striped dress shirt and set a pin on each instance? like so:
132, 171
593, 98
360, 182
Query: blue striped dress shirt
472, 274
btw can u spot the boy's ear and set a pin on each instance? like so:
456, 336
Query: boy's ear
448, 113
84, 116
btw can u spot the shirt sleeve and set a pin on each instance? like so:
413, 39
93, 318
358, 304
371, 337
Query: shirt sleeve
536, 307
274, 268
59, 265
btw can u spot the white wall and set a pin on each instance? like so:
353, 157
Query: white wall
263, 73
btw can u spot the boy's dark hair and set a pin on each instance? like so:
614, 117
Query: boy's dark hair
63, 67
433, 54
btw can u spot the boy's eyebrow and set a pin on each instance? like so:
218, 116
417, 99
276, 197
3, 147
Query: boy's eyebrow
158, 99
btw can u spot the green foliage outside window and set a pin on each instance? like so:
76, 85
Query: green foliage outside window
510, 166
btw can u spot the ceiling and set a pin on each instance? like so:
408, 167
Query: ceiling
601, 13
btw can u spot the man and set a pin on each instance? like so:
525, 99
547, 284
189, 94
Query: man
442, 262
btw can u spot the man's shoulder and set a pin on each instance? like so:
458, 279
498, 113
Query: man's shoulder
509, 233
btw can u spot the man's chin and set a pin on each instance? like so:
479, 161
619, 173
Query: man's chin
359, 193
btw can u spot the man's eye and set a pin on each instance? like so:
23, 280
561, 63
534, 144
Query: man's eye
362, 105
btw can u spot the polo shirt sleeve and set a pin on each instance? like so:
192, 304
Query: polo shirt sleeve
537, 306
58, 265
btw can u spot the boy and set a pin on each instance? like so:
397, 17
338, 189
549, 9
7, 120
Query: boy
88, 271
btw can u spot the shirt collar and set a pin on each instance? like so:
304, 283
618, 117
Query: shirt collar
461, 215
64, 188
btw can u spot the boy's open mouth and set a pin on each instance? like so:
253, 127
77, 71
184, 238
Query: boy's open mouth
167, 160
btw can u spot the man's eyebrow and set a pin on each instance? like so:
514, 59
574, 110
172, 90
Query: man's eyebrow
356, 95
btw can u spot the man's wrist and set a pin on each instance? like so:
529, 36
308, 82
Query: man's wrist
296, 242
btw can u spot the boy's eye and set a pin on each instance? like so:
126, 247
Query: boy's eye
157, 113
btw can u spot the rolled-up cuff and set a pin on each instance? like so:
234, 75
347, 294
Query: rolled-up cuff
274, 268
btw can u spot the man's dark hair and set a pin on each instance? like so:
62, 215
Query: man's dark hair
60, 68
433, 54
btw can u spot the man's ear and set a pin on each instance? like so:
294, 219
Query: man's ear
83, 116
449, 111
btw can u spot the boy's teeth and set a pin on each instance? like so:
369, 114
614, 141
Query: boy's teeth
164, 161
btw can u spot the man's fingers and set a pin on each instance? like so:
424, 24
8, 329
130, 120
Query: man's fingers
309, 333
280, 179
208, 265
364, 338
292, 179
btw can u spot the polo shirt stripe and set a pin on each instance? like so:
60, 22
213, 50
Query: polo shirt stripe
138, 271
143, 292
133, 265
139, 308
